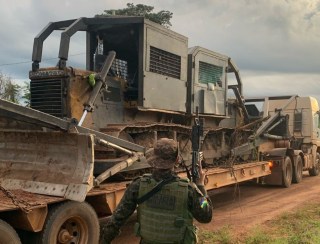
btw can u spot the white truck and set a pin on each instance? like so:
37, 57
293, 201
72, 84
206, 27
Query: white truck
293, 135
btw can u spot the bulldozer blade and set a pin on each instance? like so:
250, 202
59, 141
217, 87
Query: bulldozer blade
49, 163
15, 112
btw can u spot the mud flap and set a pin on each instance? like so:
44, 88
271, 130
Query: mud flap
277, 156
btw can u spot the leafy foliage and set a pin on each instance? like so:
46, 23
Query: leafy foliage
13, 92
8, 89
162, 17
26, 93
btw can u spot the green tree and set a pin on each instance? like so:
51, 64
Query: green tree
8, 89
162, 17
26, 96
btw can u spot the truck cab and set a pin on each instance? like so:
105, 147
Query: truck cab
295, 129
302, 112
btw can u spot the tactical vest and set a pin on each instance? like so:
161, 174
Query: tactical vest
164, 217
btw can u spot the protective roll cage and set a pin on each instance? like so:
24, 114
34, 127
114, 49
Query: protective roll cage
70, 27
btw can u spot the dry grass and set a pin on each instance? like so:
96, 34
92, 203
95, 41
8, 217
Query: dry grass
296, 227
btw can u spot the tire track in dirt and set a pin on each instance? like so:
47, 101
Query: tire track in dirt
247, 205
258, 204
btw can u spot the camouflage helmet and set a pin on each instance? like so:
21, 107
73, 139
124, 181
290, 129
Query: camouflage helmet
164, 154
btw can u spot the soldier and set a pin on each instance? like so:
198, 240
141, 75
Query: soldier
166, 204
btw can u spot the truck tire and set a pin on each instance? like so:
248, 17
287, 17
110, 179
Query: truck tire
297, 170
71, 222
287, 172
314, 171
7, 234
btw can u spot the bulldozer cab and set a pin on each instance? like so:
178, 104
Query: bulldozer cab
150, 60
153, 72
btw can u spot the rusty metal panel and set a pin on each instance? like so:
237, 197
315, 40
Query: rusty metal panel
237, 174
113, 193
51, 163
31, 221
25, 201
219, 177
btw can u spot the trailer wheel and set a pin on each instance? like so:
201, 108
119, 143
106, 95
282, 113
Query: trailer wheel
287, 172
8, 234
314, 171
297, 170
72, 223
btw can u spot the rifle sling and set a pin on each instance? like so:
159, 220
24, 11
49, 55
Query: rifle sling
154, 190
187, 170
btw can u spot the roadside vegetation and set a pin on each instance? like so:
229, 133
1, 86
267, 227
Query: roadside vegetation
296, 227
11, 91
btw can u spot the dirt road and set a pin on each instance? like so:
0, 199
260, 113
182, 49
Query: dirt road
248, 205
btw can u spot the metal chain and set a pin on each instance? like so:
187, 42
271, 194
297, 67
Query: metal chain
21, 204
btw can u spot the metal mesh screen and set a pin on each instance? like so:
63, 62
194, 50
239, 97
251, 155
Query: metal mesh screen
119, 68
165, 63
209, 73
46, 96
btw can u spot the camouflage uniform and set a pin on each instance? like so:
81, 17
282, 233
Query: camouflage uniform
197, 195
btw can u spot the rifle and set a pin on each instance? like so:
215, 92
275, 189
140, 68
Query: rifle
196, 139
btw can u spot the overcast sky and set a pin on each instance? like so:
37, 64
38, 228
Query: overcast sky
275, 43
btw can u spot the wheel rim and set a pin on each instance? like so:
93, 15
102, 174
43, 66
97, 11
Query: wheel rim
73, 231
